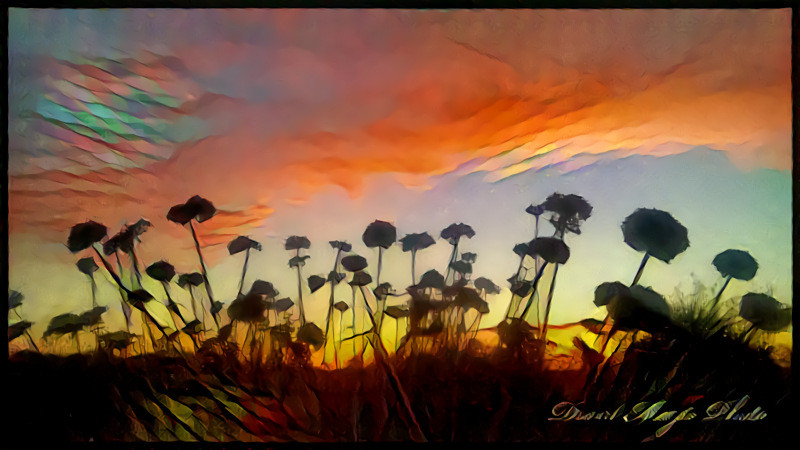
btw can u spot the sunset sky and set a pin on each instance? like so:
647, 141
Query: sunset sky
317, 122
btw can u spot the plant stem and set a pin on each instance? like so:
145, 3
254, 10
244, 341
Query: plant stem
549, 302
380, 353
203, 267
530, 297
719, 295
300, 292
380, 264
641, 269
244, 270
413, 264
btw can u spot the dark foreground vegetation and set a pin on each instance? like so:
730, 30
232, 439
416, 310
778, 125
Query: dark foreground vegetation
500, 397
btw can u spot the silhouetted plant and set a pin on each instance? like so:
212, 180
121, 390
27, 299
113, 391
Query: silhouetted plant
315, 283
468, 298
164, 272
297, 243
462, 268
382, 235
536, 211
635, 307
190, 281
552, 251
431, 279
85, 235
249, 309
341, 307
453, 234
15, 299
66, 324
397, 313
92, 318
334, 277
117, 340
413, 243
656, 233
568, 211
311, 334
764, 313
87, 266
486, 286
734, 264
199, 209
17, 329
243, 244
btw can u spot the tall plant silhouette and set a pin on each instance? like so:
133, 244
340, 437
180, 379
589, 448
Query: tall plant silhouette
334, 277
356, 264
297, 243
656, 233
87, 266
453, 234
413, 243
734, 264
552, 251
382, 235
243, 244
87, 235
199, 209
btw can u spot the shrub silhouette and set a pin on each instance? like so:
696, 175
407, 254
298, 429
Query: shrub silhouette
656, 233
15, 299
413, 243
243, 244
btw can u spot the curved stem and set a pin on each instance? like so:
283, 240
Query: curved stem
641, 269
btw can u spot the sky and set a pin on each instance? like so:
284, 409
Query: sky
317, 122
